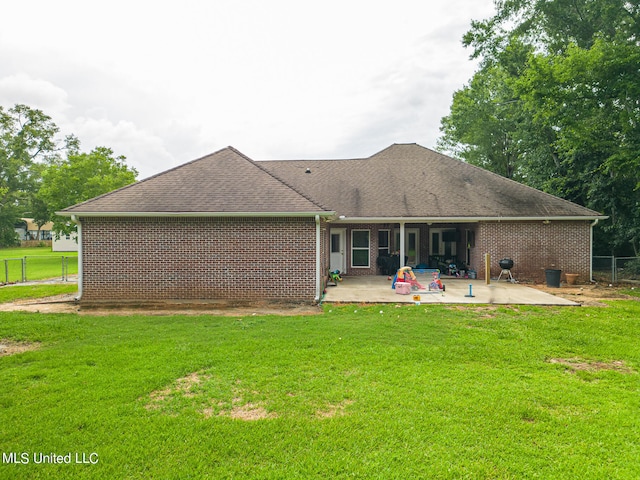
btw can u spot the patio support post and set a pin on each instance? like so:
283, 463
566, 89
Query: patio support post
402, 253
487, 268
318, 260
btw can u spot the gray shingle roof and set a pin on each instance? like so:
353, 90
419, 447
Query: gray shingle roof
223, 182
407, 180
404, 180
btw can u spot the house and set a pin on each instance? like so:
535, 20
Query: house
227, 227
65, 242
28, 230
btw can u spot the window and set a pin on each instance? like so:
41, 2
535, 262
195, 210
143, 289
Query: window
383, 242
360, 248
443, 242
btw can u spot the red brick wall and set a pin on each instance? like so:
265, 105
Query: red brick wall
145, 259
534, 247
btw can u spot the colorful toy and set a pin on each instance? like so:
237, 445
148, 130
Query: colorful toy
405, 274
335, 276
436, 283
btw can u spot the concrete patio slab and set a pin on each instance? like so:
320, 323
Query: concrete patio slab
377, 289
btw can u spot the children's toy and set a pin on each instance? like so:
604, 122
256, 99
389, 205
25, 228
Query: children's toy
334, 278
436, 283
403, 288
406, 275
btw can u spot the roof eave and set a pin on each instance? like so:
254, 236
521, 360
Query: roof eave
79, 214
346, 219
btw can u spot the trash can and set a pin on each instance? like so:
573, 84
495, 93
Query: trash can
553, 277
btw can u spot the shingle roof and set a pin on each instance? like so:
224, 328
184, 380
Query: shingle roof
402, 181
221, 183
408, 180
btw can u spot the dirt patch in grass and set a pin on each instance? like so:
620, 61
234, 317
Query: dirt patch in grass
588, 295
67, 304
580, 364
210, 397
245, 411
334, 409
9, 347
182, 386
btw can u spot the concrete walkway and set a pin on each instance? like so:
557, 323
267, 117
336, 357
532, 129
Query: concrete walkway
377, 289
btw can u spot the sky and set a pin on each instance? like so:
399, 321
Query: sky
164, 82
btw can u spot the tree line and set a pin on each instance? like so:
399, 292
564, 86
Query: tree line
555, 104
41, 173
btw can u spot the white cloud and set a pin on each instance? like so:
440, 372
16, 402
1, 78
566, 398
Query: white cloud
164, 82
35, 92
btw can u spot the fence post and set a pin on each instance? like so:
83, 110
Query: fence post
614, 274
6, 271
24, 269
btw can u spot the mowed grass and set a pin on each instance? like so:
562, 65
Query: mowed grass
355, 392
41, 263
10, 293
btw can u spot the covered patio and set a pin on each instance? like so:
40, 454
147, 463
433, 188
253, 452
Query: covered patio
377, 289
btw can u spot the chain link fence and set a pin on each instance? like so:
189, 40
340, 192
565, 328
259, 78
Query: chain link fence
39, 268
609, 269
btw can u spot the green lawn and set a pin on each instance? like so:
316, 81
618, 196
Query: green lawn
41, 263
375, 392
11, 293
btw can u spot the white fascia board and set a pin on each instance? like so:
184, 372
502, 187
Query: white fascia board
195, 214
345, 219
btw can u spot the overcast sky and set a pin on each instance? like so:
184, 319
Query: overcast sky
164, 82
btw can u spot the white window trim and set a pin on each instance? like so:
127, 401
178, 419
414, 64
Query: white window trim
367, 248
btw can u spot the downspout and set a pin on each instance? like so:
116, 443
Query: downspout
318, 266
77, 221
595, 222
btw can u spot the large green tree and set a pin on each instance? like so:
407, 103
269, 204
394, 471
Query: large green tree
569, 106
79, 177
27, 136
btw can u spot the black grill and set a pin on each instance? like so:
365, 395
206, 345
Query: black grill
506, 264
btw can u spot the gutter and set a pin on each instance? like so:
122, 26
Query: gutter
345, 219
318, 262
195, 214
595, 222
77, 221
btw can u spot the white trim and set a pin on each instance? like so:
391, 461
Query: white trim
343, 219
368, 265
402, 249
318, 266
195, 214
595, 222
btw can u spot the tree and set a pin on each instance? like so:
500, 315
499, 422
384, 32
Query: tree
26, 137
574, 124
79, 177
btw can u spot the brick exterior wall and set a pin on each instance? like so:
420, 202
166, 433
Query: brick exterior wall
237, 259
534, 247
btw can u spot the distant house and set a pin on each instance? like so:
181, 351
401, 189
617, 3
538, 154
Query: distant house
228, 227
28, 230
